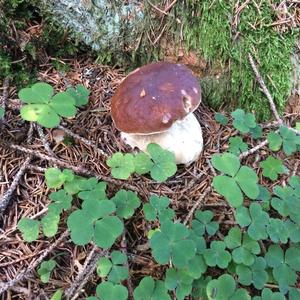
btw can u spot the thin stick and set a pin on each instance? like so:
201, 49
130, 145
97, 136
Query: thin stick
72, 289
76, 169
44, 140
4, 98
196, 205
264, 89
124, 250
25, 273
89, 271
254, 149
82, 139
5, 199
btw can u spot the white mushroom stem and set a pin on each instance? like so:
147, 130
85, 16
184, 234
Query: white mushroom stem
184, 139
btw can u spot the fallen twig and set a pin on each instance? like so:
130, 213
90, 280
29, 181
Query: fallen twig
76, 169
5, 199
25, 273
44, 140
264, 89
79, 283
124, 250
197, 205
254, 149
4, 97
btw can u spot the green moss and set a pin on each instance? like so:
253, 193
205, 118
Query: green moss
21, 63
210, 32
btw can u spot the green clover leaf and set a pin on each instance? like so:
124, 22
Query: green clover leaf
170, 242
40, 113
122, 166
224, 288
244, 248
45, 270
199, 288
126, 203
287, 200
255, 218
116, 269
243, 121
163, 163
267, 294
274, 140
203, 223
39, 93
216, 255
264, 197
278, 231
49, 223
142, 163
91, 190
80, 94
57, 295
284, 265
43, 107
63, 104
61, 200
108, 291
94, 221
221, 119
236, 145
55, 178
272, 167
2, 112
150, 289
239, 179
158, 208
180, 281
256, 274
29, 229
294, 294
256, 132
290, 140
293, 231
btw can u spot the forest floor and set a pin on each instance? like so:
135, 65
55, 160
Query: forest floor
83, 144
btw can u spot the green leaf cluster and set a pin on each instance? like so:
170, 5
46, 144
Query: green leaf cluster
236, 180
45, 270
45, 108
114, 269
160, 163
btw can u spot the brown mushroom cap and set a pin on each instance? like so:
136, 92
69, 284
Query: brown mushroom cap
153, 97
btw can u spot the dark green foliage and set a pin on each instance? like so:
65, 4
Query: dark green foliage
29, 48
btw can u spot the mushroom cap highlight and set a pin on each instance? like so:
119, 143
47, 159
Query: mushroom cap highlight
151, 98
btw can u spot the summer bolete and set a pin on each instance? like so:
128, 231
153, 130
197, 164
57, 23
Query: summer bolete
155, 104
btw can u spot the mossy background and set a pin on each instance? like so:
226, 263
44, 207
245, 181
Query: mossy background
207, 27
226, 48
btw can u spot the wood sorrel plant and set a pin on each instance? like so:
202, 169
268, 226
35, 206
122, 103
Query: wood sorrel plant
259, 250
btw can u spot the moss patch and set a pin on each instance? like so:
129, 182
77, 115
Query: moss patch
213, 31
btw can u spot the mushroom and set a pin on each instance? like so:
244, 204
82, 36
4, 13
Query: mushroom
155, 104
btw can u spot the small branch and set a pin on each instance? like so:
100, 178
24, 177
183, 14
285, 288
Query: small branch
76, 169
25, 273
295, 168
196, 205
90, 268
4, 97
82, 139
264, 89
44, 140
5, 199
81, 274
124, 250
254, 149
